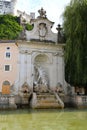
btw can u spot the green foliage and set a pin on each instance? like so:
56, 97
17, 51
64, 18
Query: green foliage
9, 27
29, 27
75, 28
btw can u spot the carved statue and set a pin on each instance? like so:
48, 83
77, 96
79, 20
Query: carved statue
59, 89
40, 79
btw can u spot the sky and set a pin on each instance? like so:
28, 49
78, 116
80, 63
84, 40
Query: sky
54, 9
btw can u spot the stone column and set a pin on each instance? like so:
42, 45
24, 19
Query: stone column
29, 70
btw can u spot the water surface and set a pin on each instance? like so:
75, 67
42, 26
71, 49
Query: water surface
43, 120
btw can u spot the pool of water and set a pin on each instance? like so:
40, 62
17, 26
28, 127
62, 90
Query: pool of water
43, 120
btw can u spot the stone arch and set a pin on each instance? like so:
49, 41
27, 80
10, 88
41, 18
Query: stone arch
6, 87
42, 58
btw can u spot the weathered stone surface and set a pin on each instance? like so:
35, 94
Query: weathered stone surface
12, 104
29, 56
46, 100
40, 66
7, 102
42, 29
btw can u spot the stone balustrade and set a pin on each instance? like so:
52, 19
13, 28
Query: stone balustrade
79, 101
7, 102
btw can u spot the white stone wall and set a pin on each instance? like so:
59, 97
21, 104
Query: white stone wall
13, 7
24, 16
7, 7
25, 69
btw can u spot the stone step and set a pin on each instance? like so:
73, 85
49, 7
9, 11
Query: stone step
47, 101
53, 99
48, 105
42, 96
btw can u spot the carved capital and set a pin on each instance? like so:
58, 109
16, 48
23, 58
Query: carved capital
61, 54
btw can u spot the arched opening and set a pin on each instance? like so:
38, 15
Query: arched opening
6, 87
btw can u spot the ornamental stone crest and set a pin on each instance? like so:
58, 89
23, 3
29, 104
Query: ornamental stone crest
42, 30
42, 13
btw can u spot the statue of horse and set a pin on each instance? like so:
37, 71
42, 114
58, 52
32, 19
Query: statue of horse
40, 77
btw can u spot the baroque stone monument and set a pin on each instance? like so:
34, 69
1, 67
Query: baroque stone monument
41, 65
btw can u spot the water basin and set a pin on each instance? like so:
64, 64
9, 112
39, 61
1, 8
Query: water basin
67, 119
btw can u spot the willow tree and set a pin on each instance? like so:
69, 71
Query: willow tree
75, 28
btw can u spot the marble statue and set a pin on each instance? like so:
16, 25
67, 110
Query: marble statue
40, 79
59, 89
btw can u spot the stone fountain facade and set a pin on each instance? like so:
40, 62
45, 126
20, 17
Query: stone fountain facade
41, 65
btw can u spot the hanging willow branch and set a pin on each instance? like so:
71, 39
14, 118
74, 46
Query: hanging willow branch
75, 28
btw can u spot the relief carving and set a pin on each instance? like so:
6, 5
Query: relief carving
42, 31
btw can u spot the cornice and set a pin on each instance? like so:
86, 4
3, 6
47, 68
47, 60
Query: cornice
40, 45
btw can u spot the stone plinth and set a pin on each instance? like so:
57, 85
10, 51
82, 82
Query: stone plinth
22, 100
12, 104
25, 98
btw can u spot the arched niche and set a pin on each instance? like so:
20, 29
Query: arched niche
41, 59
41, 70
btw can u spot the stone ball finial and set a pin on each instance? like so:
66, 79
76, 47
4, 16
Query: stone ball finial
59, 36
59, 28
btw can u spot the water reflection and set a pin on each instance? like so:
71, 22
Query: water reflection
43, 120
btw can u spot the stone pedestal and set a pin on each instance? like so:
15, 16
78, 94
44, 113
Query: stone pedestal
25, 98
22, 100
